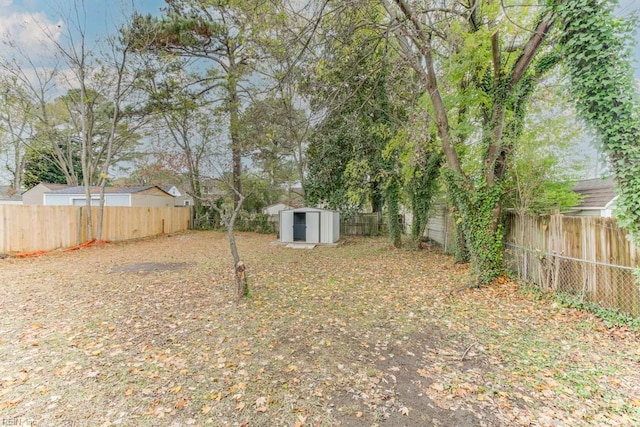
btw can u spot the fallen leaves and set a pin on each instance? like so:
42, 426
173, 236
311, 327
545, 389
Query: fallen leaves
358, 334
181, 403
261, 404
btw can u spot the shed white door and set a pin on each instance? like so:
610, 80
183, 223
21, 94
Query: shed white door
313, 227
286, 226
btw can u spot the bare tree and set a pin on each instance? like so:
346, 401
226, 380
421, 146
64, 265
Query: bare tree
16, 127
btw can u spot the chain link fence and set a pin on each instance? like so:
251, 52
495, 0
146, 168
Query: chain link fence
608, 285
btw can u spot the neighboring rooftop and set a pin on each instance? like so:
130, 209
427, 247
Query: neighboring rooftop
51, 186
7, 193
597, 193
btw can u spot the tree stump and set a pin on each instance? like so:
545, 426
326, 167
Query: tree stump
242, 288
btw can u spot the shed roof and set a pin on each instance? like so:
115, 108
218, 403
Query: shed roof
597, 193
308, 209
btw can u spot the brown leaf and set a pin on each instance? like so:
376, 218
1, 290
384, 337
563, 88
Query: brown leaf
437, 386
261, 404
181, 403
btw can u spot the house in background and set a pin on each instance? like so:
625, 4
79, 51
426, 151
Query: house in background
274, 210
141, 196
309, 225
8, 196
35, 195
599, 199
181, 198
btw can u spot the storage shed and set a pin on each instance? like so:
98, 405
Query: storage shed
309, 225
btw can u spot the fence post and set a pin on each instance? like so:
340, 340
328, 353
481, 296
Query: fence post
79, 226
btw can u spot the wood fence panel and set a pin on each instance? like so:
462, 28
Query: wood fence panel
369, 224
586, 256
36, 228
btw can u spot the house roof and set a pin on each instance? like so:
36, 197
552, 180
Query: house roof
52, 187
79, 189
597, 193
7, 193
309, 209
280, 203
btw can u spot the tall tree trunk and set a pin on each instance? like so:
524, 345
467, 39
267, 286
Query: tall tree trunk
234, 131
239, 268
392, 193
479, 211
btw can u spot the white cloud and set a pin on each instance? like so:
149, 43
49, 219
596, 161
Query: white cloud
33, 33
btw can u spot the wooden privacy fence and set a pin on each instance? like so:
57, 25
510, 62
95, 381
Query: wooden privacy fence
42, 228
586, 256
362, 224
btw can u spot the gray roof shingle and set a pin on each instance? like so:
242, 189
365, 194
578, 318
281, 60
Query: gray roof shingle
597, 193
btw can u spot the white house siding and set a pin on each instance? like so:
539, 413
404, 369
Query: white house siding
77, 199
437, 225
275, 209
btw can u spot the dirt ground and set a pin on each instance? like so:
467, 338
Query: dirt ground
146, 334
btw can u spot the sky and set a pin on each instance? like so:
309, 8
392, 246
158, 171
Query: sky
26, 20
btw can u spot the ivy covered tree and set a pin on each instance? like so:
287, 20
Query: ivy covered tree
596, 46
354, 157
478, 68
345, 152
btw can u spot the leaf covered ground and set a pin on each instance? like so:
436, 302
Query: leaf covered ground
146, 334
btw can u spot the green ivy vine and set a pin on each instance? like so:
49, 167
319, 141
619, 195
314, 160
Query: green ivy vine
475, 211
596, 48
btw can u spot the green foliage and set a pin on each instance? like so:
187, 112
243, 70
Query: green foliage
549, 136
611, 317
596, 47
479, 80
269, 131
259, 193
258, 223
41, 166
483, 232
366, 98
421, 188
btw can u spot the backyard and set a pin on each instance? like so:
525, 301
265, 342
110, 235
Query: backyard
146, 333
